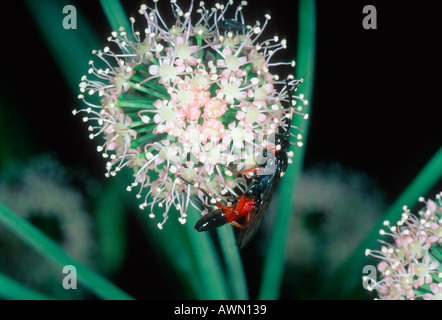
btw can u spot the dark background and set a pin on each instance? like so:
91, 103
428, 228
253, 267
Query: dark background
375, 107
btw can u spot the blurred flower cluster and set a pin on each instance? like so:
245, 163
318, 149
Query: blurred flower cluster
39, 192
411, 265
334, 209
194, 99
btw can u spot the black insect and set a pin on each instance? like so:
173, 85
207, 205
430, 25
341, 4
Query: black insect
267, 176
231, 25
244, 207
252, 205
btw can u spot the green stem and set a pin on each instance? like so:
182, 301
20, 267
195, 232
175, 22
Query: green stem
235, 270
146, 138
199, 41
11, 289
49, 249
171, 245
275, 259
208, 263
435, 275
135, 104
145, 126
147, 91
436, 252
116, 16
156, 86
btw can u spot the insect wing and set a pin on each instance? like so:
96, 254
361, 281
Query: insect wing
230, 24
270, 181
248, 233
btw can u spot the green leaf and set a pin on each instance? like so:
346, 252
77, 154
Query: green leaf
208, 264
49, 249
235, 271
11, 289
191, 255
116, 16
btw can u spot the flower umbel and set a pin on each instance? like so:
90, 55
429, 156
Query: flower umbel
194, 99
411, 266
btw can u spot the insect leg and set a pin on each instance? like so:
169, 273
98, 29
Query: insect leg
240, 205
249, 217
255, 170
236, 224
